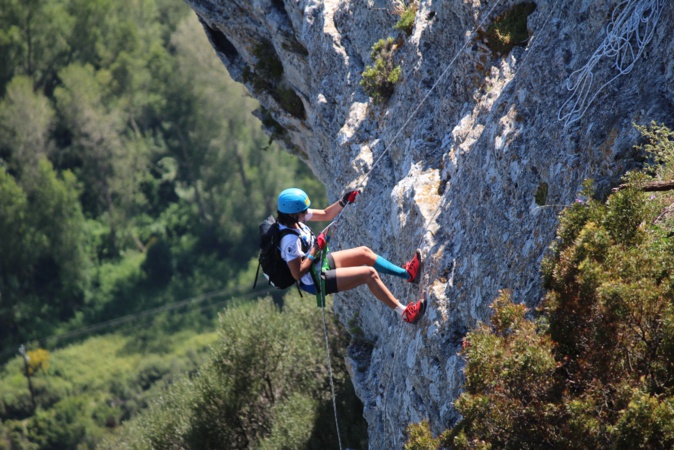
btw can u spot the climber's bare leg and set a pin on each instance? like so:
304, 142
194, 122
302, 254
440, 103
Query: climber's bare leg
353, 257
351, 277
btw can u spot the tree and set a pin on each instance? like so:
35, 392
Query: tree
43, 260
34, 40
264, 387
13, 206
95, 129
26, 121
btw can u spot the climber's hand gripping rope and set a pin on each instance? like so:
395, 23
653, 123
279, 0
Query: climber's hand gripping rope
322, 240
348, 198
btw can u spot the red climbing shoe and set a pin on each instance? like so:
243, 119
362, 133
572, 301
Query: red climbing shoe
412, 267
414, 311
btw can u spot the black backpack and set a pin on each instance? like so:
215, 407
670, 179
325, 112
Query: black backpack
273, 266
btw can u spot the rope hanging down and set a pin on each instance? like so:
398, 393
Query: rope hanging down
632, 25
332, 384
320, 296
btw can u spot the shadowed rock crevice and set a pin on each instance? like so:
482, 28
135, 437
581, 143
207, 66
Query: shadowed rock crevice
221, 44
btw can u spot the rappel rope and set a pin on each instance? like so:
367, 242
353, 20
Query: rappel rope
332, 384
532, 44
631, 21
325, 331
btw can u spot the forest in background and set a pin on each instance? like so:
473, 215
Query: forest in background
123, 145
133, 177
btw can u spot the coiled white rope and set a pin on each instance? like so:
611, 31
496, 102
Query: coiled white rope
628, 33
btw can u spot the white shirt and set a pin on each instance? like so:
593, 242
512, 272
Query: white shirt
291, 247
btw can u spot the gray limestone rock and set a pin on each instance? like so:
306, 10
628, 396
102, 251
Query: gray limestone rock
468, 160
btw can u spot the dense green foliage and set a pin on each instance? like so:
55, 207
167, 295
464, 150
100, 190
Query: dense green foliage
131, 169
266, 386
596, 368
42, 255
87, 389
133, 176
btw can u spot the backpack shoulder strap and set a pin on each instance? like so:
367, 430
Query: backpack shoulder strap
287, 231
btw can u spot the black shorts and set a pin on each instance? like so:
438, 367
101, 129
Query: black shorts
330, 277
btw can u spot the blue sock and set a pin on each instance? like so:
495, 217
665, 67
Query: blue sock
384, 266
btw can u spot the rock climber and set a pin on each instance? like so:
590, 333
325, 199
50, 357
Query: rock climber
348, 268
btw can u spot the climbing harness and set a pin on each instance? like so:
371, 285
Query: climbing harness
632, 25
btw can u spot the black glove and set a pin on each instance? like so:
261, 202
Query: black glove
349, 197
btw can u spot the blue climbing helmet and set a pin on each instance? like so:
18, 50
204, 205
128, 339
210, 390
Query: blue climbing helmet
292, 201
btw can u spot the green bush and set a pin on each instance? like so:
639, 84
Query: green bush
268, 65
541, 194
380, 79
63, 426
293, 423
420, 437
267, 75
290, 101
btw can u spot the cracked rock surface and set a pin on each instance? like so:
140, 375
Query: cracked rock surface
473, 173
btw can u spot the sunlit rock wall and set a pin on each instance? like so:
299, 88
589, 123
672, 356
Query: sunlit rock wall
473, 173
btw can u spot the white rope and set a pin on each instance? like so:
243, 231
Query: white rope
631, 28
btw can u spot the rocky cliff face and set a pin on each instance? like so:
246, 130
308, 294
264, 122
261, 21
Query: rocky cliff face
471, 159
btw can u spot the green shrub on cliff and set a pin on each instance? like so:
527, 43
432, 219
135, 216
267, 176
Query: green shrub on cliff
407, 13
380, 79
596, 368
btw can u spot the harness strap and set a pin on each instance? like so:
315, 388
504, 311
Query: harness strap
317, 274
